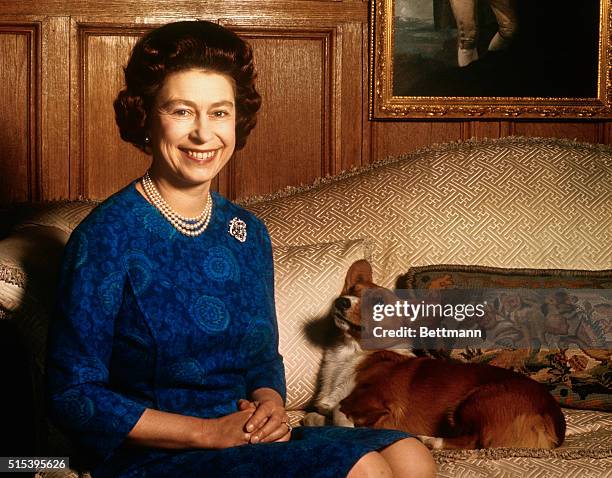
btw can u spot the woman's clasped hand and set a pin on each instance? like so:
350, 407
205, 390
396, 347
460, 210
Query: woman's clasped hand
269, 421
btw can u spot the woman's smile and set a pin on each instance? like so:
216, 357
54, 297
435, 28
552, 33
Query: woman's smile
199, 156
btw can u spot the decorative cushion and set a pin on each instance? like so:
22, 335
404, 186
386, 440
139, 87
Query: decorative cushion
511, 202
576, 377
479, 277
307, 280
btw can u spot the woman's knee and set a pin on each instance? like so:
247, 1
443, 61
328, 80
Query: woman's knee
409, 458
371, 465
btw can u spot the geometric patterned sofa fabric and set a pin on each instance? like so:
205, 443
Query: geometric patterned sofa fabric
510, 202
29, 263
30, 253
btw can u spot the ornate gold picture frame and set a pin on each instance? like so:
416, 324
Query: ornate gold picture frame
490, 59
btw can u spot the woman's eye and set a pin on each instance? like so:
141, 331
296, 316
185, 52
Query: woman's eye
182, 113
220, 114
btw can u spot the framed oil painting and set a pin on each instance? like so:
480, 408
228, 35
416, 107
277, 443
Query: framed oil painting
490, 59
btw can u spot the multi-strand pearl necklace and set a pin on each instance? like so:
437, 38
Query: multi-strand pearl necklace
189, 226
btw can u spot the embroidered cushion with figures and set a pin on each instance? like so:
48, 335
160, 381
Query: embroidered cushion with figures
573, 310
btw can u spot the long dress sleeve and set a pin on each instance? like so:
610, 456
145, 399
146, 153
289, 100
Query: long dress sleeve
81, 400
269, 371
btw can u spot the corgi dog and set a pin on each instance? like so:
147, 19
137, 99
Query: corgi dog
446, 404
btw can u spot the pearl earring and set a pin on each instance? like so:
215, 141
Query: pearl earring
147, 139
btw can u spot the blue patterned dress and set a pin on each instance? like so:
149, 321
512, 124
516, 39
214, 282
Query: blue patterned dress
149, 318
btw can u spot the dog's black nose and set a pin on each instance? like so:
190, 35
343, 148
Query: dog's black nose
342, 303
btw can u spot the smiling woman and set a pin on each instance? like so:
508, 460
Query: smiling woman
163, 352
192, 135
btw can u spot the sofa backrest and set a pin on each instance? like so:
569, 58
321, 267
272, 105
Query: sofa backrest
511, 202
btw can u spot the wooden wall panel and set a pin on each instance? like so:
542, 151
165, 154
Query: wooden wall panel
106, 163
395, 138
290, 144
488, 129
18, 95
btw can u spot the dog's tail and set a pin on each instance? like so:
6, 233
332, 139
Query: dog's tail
515, 413
527, 431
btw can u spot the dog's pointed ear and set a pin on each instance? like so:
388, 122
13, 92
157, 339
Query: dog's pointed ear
360, 271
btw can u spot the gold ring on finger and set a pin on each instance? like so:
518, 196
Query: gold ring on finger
288, 425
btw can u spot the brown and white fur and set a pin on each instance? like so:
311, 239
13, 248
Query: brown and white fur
447, 404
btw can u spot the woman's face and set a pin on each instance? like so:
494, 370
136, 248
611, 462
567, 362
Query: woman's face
192, 127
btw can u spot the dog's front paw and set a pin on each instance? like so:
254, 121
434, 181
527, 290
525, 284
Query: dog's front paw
314, 419
432, 443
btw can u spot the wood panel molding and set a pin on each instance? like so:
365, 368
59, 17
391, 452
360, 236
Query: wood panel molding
280, 11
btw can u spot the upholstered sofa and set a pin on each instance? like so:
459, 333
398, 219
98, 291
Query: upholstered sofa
512, 203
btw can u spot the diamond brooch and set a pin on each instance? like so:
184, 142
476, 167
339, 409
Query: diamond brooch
238, 229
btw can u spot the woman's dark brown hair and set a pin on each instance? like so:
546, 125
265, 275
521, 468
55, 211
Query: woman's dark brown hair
182, 46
